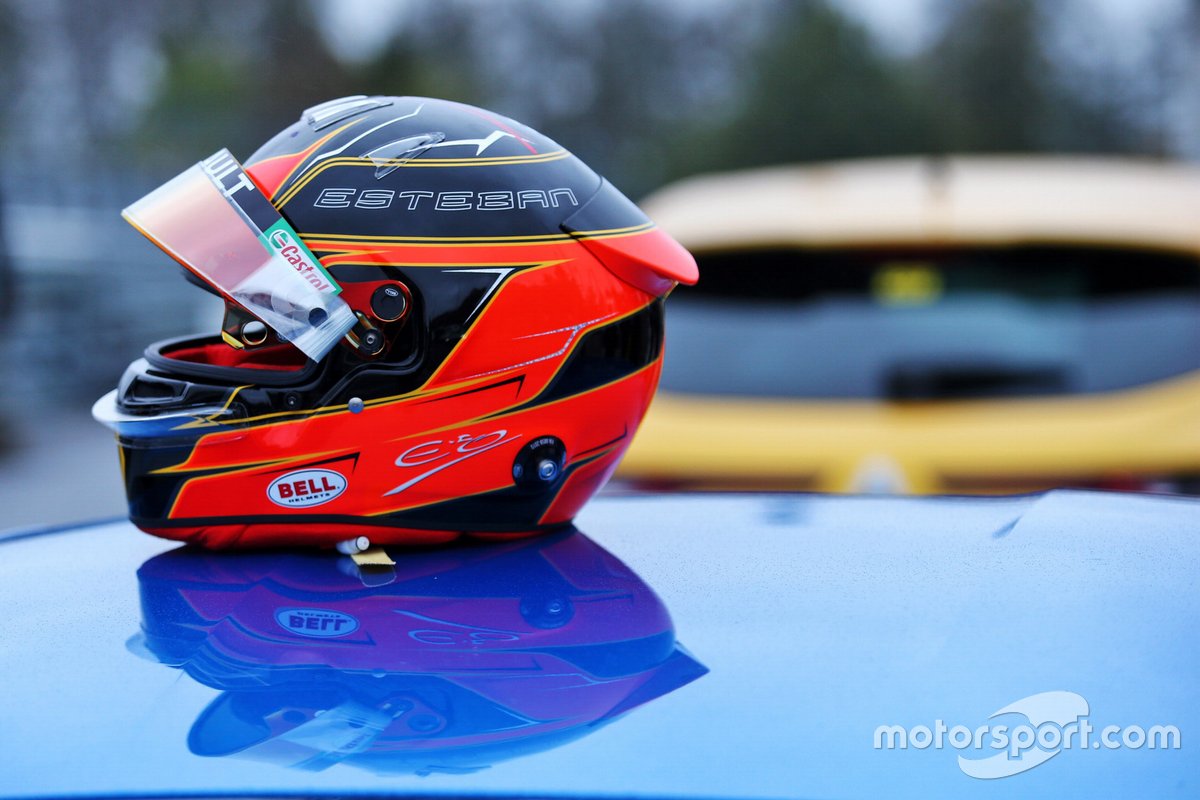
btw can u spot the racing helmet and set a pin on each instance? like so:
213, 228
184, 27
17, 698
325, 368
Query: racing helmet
438, 322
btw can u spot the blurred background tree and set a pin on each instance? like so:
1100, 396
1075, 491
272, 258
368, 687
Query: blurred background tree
104, 99
1000, 75
647, 91
815, 86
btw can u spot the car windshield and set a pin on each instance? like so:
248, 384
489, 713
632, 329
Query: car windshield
933, 324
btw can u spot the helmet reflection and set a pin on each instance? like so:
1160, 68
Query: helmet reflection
448, 662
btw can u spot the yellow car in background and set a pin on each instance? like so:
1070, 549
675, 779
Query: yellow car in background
956, 325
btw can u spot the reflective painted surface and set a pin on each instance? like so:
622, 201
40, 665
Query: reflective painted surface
447, 663
130, 667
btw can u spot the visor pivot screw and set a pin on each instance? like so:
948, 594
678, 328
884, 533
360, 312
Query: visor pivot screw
291, 400
254, 333
389, 302
355, 405
372, 342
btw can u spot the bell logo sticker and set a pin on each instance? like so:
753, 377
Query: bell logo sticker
318, 622
306, 488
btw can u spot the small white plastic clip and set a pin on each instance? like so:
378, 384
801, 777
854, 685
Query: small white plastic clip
355, 545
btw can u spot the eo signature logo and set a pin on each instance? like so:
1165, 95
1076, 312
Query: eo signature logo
1054, 722
440, 632
440, 454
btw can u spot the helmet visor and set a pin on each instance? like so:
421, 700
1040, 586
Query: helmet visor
214, 221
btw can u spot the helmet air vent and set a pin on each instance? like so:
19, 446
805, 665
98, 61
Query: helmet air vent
388, 157
334, 111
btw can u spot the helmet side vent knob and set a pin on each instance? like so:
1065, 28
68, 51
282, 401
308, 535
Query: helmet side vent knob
539, 464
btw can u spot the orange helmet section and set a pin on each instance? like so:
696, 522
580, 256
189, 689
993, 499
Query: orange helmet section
458, 435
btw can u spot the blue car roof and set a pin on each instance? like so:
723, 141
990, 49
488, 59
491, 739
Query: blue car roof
716, 646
